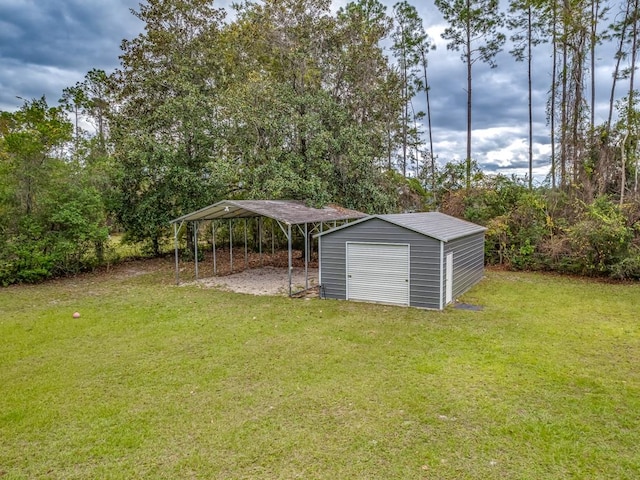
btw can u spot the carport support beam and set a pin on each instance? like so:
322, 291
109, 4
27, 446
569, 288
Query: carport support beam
195, 245
213, 235
290, 255
230, 247
175, 238
306, 257
260, 238
246, 250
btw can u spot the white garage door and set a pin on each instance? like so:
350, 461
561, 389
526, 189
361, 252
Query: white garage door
378, 272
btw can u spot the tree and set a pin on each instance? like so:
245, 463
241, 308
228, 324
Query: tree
572, 40
529, 20
407, 36
620, 33
364, 82
312, 102
423, 49
31, 137
90, 102
410, 46
474, 30
553, 91
164, 127
595, 38
49, 215
632, 102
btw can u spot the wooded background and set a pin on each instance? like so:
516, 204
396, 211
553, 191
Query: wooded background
291, 100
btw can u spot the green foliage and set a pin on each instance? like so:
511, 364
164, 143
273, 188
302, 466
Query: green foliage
541, 230
51, 217
516, 220
493, 196
629, 267
60, 240
287, 101
601, 238
307, 117
165, 131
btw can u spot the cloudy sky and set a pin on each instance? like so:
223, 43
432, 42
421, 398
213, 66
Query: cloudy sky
47, 46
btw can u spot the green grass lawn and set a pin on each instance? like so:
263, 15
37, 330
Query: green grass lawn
160, 381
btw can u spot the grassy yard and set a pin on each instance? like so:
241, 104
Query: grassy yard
159, 381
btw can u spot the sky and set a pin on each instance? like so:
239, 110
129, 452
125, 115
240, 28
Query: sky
47, 46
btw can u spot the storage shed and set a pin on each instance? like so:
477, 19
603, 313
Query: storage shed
421, 260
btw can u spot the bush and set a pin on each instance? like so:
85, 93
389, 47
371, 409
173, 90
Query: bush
600, 239
628, 268
513, 237
64, 237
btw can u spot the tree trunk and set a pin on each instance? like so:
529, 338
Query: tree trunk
623, 173
405, 119
595, 6
563, 120
552, 107
616, 71
631, 106
529, 55
426, 89
468, 55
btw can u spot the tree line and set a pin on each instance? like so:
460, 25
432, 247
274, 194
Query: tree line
291, 100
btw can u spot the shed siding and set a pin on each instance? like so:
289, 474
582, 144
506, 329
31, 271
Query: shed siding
424, 259
468, 262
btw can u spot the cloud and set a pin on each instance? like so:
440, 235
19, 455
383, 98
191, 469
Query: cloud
47, 46
20, 80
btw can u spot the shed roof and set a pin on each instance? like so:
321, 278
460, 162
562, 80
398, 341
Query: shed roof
432, 224
291, 212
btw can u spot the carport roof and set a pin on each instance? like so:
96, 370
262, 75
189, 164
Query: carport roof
432, 224
290, 212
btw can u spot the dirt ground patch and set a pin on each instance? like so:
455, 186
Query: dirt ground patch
262, 281
255, 274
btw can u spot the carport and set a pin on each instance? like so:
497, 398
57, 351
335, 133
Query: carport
288, 215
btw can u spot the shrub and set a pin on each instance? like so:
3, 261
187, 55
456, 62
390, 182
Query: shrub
600, 239
628, 268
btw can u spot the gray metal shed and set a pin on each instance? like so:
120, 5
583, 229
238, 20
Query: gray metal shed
422, 260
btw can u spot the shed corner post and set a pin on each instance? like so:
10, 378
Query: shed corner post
320, 260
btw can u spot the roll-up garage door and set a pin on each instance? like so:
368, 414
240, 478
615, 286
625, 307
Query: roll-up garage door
378, 272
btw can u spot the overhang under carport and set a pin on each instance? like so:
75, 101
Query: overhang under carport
287, 214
